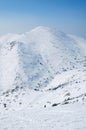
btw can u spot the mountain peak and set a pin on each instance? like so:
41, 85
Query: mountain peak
42, 29
36, 57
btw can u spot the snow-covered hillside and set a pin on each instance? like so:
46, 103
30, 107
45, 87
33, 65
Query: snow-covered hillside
33, 59
42, 81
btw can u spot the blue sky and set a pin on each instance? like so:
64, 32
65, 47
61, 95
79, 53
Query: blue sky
17, 16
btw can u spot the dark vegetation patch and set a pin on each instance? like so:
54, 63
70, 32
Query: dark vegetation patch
59, 86
55, 104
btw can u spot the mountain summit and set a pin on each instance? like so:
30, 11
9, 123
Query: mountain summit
34, 58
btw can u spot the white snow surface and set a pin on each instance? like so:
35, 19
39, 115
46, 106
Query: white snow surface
42, 81
33, 59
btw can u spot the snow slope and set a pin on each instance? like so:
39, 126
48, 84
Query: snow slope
34, 58
42, 81
51, 109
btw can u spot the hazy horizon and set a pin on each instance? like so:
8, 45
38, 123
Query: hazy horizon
18, 16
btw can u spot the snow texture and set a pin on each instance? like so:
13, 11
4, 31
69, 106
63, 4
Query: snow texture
42, 81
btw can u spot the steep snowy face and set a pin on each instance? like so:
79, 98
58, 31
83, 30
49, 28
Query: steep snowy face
8, 64
60, 51
22, 66
34, 58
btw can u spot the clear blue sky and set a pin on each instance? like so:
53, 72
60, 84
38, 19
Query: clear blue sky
17, 16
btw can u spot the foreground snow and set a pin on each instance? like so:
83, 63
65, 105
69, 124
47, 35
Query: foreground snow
51, 108
67, 117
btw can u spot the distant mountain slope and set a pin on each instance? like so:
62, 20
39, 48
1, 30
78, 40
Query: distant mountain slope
33, 59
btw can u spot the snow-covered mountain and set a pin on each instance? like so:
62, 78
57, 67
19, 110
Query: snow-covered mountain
33, 59
42, 81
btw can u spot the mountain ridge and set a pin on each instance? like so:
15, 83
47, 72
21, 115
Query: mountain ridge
39, 55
